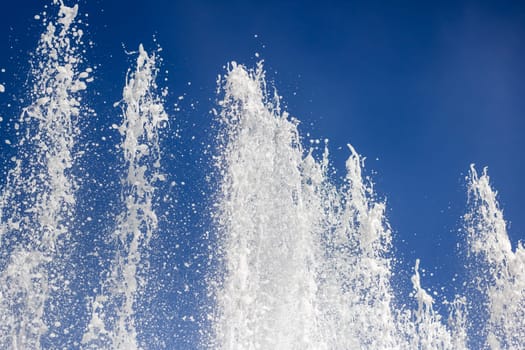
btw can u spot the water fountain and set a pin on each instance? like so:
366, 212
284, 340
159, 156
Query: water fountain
302, 260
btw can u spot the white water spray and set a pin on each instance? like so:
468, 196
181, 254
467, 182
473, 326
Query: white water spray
37, 206
270, 241
500, 271
113, 324
305, 263
356, 285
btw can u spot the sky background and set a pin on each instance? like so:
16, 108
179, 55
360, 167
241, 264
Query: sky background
421, 89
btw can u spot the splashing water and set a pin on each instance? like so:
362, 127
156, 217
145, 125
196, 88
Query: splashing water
500, 270
357, 268
269, 223
38, 200
305, 260
306, 264
112, 324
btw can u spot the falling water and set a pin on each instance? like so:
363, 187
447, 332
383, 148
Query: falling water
303, 260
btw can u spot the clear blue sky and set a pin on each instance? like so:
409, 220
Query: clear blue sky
421, 89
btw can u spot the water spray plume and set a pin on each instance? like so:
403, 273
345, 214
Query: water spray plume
299, 258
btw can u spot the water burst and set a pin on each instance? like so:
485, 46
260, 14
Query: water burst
306, 263
113, 324
38, 200
303, 259
499, 270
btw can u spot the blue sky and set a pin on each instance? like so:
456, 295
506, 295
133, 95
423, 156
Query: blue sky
421, 89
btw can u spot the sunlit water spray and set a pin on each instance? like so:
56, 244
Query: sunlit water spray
269, 223
307, 264
499, 271
304, 261
113, 325
38, 198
